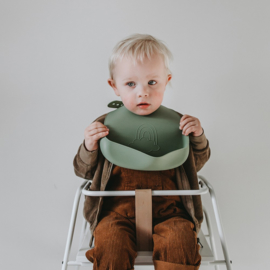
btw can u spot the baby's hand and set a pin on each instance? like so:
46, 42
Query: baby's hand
93, 133
190, 125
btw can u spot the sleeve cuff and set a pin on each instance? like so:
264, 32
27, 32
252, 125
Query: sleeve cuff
198, 142
87, 156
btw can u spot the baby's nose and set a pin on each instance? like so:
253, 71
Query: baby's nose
143, 93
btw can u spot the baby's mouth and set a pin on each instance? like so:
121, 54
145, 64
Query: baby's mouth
143, 103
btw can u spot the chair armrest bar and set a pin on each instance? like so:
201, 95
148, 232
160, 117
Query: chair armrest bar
203, 190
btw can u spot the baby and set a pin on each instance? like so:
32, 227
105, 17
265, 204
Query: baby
139, 73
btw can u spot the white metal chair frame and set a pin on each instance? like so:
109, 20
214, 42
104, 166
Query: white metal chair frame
144, 258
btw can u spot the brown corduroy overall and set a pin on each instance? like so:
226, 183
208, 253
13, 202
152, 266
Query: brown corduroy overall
174, 237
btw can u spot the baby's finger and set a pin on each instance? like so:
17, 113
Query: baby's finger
99, 135
95, 125
187, 126
185, 121
189, 130
96, 130
184, 117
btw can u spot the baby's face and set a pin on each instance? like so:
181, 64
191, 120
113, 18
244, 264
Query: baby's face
140, 83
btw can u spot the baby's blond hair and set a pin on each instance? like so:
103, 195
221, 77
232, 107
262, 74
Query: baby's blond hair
138, 46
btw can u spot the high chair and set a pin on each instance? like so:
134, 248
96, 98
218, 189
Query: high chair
143, 217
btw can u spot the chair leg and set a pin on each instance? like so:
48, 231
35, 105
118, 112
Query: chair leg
219, 224
210, 233
83, 232
72, 225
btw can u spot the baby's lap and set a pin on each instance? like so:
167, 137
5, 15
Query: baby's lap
175, 227
114, 227
116, 222
112, 222
174, 222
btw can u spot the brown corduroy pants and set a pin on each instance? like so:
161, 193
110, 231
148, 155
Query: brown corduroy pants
174, 237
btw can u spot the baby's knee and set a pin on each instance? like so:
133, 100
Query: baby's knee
114, 242
178, 231
176, 242
184, 232
114, 253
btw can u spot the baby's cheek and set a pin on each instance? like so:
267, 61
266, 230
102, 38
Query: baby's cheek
128, 103
158, 95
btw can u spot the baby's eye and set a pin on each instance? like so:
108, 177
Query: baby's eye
130, 83
152, 82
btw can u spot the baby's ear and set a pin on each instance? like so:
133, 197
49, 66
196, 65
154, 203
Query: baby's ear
112, 84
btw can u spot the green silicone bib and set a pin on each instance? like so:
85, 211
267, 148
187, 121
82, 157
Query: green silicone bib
145, 142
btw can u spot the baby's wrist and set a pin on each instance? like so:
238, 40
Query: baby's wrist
89, 148
200, 134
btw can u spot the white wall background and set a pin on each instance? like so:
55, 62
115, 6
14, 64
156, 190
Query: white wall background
54, 74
